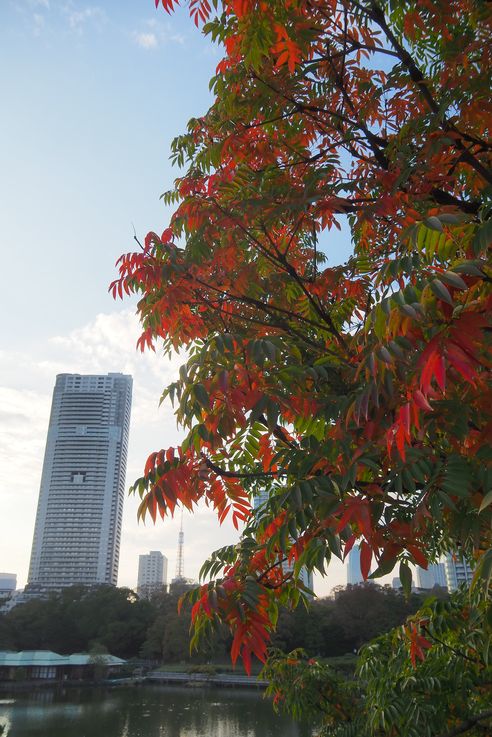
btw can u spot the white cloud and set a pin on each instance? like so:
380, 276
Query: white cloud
55, 16
78, 19
153, 34
146, 40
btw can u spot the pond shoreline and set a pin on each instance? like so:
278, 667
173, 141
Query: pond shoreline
218, 680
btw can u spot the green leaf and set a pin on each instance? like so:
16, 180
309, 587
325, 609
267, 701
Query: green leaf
452, 219
201, 395
433, 223
483, 570
470, 268
454, 280
384, 568
485, 502
441, 291
406, 578
385, 355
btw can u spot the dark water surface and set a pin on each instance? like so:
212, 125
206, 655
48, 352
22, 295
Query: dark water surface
143, 711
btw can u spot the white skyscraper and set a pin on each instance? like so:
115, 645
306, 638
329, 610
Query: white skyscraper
354, 574
152, 573
78, 521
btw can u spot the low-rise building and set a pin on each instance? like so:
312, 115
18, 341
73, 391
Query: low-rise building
45, 665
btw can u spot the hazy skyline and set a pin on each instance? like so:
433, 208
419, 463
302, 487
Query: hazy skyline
93, 95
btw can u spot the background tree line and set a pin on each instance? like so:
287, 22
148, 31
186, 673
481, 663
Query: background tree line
80, 619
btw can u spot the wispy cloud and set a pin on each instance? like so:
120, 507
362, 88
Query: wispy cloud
59, 18
56, 17
39, 23
152, 34
79, 18
146, 40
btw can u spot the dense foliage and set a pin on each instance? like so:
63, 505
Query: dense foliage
81, 620
449, 693
355, 394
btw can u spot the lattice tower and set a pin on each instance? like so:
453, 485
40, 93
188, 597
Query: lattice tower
179, 576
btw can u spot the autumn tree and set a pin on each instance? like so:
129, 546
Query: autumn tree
355, 394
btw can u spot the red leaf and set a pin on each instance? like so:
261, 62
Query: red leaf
460, 361
167, 235
400, 441
349, 545
246, 656
440, 372
421, 401
150, 465
418, 556
365, 559
405, 418
428, 371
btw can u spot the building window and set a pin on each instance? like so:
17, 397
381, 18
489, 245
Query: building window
78, 477
43, 671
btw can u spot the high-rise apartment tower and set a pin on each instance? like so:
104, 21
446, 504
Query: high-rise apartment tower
458, 571
354, 573
80, 508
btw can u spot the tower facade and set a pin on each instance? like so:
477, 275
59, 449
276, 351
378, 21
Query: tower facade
152, 573
80, 508
354, 574
458, 572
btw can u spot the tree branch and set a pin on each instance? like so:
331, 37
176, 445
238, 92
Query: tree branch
235, 475
468, 724
423, 85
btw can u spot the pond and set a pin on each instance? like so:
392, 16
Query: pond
143, 711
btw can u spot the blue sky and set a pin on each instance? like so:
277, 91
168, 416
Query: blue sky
92, 95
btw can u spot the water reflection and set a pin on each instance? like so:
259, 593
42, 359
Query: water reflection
152, 711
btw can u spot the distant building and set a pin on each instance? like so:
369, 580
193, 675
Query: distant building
305, 576
435, 575
8, 584
180, 586
152, 573
78, 522
354, 574
45, 665
458, 572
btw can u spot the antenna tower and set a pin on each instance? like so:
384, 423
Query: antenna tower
179, 576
